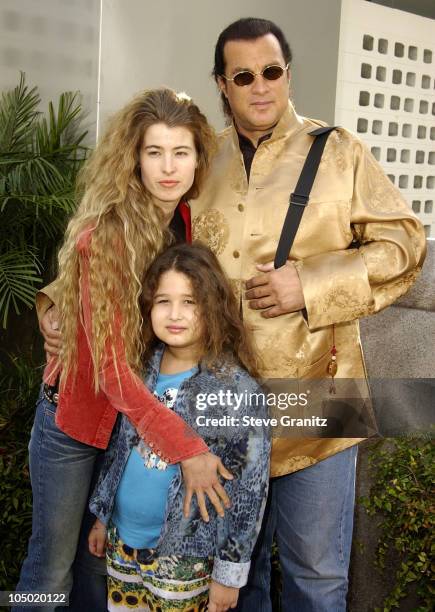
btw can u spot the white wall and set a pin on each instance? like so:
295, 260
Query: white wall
379, 46
55, 42
147, 44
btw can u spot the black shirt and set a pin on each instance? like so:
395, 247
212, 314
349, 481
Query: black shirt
248, 150
178, 226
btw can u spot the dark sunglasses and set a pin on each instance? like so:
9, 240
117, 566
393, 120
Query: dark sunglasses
246, 77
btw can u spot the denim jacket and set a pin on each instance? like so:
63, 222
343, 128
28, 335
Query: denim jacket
244, 448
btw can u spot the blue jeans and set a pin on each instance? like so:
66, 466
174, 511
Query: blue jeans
310, 512
60, 471
89, 590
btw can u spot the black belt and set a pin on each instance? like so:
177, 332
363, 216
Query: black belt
51, 393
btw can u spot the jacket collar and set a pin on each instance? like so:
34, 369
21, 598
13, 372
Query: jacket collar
289, 124
153, 367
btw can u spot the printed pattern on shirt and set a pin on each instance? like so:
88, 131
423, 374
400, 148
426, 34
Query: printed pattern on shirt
150, 459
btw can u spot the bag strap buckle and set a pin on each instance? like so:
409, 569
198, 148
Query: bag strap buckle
299, 199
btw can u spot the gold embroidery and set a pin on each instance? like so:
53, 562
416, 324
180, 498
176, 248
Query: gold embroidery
388, 293
279, 359
334, 153
346, 301
381, 261
211, 227
381, 195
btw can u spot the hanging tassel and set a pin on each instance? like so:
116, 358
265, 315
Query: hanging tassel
331, 368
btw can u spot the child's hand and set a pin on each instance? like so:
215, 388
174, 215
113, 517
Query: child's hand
97, 539
221, 597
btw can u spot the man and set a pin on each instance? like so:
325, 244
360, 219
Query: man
299, 312
305, 313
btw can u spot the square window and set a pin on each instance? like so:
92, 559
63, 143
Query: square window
376, 152
412, 52
382, 46
416, 204
377, 127
362, 126
405, 156
403, 181
397, 77
419, 157
431, 158
427, 56
430, 182
407, 130
433, 108
391, 155
408, 105
410, 79
432, 133
366, 71
368, 42
364, 98
424, 107
425, 81
399, 50
379, 100
427, 230
428, 206
395, 103
421, 132
381, 73
392, 178
418, 182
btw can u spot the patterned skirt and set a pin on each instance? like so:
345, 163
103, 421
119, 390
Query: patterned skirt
138, 580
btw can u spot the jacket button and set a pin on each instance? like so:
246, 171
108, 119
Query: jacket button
241, 207
236, 254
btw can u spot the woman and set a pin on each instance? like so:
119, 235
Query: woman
155, 152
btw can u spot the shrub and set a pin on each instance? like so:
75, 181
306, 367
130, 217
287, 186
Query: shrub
402, 496
19, 383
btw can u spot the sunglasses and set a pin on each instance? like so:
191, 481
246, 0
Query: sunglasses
246, 77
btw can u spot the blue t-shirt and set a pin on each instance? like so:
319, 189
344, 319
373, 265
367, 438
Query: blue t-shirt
140, 501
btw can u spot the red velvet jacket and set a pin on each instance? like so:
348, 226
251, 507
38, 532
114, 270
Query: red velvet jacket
90, 417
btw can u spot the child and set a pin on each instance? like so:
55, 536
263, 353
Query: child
197, 348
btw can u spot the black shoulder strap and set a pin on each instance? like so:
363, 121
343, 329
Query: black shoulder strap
299, 198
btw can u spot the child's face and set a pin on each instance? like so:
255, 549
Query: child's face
175, 315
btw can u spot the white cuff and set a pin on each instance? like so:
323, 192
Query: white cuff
230, 574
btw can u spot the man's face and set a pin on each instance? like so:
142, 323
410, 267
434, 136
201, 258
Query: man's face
259, 106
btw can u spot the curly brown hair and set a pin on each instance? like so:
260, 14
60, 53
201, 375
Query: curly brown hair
224, 337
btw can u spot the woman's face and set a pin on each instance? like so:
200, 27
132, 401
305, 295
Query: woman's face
168, 160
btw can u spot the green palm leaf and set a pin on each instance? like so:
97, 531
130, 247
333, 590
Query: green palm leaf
40, 157
18, 114
19, 272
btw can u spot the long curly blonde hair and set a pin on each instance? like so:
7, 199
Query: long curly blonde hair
128, 230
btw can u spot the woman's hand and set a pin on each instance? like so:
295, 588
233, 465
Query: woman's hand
49, 326
221, 597
97, 539
201, 476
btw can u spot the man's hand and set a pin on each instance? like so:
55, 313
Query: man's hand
49, 326
200, 476
97, 539
276, 292
221, 598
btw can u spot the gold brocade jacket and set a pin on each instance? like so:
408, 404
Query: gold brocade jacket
351, 199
